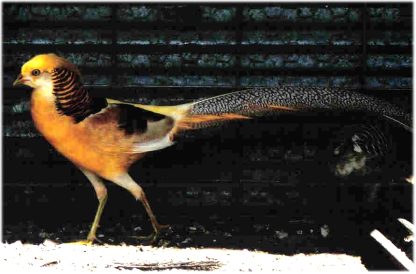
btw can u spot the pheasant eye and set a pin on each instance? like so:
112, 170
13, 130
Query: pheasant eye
35, 72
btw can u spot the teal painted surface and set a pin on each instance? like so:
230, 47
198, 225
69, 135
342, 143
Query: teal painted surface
302, 14
300, 38
177, 60
134, 37
300, 61
27, 36
27, 12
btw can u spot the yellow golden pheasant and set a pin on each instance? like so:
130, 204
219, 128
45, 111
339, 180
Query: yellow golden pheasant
104, 137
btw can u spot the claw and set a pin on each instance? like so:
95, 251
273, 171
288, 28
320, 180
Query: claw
153, 236
149, 238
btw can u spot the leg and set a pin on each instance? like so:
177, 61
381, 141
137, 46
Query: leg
101, 192
128, 183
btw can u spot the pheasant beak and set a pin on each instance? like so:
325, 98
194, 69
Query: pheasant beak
20, 80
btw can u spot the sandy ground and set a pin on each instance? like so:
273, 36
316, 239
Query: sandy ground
51, 257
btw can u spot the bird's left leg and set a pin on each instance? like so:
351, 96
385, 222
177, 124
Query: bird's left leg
128, 183
101, 192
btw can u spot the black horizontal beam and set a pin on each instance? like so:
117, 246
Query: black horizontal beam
241, 71
221, 184
253, 4
195, 48
180, 26
245, 71
12, 25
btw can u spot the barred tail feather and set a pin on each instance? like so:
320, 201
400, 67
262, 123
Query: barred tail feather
406, 123
259, 100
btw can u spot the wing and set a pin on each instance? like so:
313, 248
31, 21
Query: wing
127, 128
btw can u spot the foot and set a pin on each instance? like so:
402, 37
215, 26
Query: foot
81, 242
88, 242
153, 236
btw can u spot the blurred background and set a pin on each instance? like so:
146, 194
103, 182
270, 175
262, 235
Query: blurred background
288, 184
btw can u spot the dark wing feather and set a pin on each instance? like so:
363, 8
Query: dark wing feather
135, 120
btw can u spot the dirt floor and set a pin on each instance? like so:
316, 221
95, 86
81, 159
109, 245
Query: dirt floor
50, 256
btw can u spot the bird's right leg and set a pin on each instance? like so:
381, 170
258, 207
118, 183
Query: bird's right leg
128, 183
101, 192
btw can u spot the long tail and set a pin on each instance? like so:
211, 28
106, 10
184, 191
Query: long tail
251, 102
